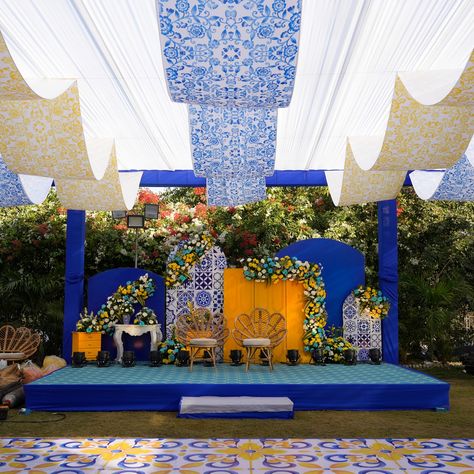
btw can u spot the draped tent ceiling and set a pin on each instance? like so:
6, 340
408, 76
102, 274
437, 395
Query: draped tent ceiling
350, 53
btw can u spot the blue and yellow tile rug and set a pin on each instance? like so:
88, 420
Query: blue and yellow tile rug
229, 456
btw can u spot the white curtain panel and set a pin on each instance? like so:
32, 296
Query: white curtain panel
350, 53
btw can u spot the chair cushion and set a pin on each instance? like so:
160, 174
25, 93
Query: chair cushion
258, 341
12, 355
203, 341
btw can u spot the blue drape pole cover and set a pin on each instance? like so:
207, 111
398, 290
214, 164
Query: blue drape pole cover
74, 278
187, 178
388, 276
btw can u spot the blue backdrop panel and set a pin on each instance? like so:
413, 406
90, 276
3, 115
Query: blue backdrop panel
104, 284
74, 278
343, 269
388, 276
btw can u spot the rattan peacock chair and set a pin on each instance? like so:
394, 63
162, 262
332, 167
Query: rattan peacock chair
259, 330
17, 344
201, 331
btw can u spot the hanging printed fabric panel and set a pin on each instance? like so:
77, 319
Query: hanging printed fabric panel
230, 140
19, 190
239, 53
456, 184
362, 332
235, 189
234, 62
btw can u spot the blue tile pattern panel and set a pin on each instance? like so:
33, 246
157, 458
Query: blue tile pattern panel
457, 183
235, 189
237, 456
205, 288
238, 53
232, 140
361, 331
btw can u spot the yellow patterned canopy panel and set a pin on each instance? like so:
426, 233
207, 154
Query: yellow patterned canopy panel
422, 136
45, 137
427, 133
113, 192
356, 186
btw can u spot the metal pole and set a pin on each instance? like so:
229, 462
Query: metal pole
136, 248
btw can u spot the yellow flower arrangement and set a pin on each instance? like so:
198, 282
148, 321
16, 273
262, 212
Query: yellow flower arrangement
372, 302
189, 253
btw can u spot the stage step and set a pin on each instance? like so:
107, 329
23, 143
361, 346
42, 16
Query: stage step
236, 407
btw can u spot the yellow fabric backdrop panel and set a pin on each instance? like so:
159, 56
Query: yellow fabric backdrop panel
242, 296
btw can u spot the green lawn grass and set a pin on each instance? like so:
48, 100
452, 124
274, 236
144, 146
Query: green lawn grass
457, 423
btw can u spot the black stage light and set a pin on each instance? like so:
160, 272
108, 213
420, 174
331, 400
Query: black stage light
151, 211
79, 359
293, 356
350, 357
236, 357
375, 355
128, 359
135, 221
317, 355
156, 358
119, 214
182, 358
103, 359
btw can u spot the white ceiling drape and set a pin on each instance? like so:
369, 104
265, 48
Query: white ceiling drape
350, 53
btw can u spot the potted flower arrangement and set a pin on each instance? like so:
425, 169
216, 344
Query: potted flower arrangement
145, 316
170, 348
372, 303
119, 307
87, 337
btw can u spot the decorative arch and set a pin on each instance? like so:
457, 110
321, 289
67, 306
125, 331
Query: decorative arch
343, 269
205, 288
361, 331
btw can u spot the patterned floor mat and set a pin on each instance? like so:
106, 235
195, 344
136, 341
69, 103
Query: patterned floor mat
228, 456
225, 374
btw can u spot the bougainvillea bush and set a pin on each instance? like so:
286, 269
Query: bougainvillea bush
436, 252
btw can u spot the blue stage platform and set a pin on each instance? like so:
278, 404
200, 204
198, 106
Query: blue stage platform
332, 387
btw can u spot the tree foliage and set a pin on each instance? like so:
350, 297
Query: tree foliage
436, 249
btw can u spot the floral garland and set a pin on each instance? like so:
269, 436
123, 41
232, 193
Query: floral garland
372, 302
145, 316
274, 269
87, 322
189, 253
120, 304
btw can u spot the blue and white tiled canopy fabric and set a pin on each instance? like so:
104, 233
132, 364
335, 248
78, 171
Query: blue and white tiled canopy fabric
234, 189
456, 184
232, 139
12, 190
234, 62
239, 53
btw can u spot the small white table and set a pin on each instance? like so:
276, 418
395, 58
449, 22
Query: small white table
136, 330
